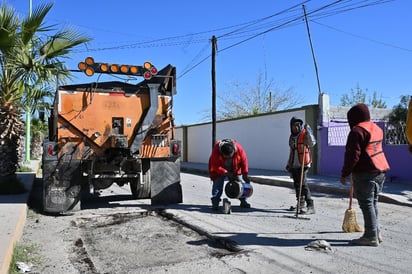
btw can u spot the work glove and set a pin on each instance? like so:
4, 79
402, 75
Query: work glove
246, 179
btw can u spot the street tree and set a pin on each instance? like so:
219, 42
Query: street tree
243, 99
398, 114
360, 96
39, 130
30, 58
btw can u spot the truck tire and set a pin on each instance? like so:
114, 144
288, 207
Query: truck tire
140, 191
61, 186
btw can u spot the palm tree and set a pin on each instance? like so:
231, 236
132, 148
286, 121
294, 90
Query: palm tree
39, 130
29, 60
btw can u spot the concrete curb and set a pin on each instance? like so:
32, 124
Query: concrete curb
13, 214
6, 252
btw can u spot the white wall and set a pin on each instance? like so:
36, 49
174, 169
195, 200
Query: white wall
264, 138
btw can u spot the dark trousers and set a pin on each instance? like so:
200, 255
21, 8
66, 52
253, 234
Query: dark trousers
367, 187
305, 193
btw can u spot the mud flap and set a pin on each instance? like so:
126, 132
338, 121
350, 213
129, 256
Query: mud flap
61, 186
165, 181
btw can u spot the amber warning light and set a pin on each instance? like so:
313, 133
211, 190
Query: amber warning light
89, 67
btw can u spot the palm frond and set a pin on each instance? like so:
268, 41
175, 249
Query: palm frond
9, 25
61, 44
34, 23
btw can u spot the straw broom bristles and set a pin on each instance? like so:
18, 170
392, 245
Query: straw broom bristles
350, 224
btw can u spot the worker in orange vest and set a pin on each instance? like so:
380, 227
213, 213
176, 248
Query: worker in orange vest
366, 161
301, 139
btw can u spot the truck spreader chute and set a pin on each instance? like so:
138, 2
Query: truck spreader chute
102, 133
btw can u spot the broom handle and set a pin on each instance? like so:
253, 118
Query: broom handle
351, 193
301, 181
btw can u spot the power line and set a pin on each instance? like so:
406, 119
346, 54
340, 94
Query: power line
314, 13
251, 29
363, 37
346, 6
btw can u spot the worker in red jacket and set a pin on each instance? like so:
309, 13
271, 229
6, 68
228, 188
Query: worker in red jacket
228, 160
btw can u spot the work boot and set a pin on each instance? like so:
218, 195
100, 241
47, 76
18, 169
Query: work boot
365, 241
302, 211
380, 239
310, 207
302, 207
215, 203
244, 204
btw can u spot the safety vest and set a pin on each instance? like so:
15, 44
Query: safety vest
374, 147
300, 146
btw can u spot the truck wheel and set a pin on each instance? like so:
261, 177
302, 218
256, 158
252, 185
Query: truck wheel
140, 191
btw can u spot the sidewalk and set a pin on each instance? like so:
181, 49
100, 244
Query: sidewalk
394, 193
13, 210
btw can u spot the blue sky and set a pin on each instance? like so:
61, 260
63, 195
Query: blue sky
358, 42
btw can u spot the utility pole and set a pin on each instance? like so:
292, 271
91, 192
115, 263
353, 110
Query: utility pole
311, 47
320, 96
28, 118
214, 47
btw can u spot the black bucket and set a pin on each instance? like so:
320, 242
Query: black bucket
237, 190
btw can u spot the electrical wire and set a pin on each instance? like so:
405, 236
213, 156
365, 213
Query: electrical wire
363, 37
250, 30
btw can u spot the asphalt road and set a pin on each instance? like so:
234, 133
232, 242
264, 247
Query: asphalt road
115, 234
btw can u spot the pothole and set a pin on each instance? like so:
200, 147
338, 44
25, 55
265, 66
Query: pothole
147, 239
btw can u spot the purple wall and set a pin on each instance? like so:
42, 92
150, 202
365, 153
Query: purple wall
331, 157
398, 156
400, 161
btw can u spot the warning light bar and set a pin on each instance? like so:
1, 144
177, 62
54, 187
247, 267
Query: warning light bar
89, 67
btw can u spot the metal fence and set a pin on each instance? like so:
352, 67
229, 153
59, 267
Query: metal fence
394, 135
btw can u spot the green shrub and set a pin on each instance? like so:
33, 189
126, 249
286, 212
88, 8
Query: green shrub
24, 169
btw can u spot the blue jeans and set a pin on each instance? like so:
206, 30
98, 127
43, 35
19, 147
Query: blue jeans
217, 189
367, 187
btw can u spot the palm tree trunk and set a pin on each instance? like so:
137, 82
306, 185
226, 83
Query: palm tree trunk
10, 154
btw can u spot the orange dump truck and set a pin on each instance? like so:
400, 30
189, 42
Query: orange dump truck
103, 133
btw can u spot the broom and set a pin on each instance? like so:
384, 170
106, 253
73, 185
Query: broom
301, 182
350, 224
300, 191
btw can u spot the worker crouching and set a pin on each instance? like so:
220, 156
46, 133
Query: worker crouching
228, 160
